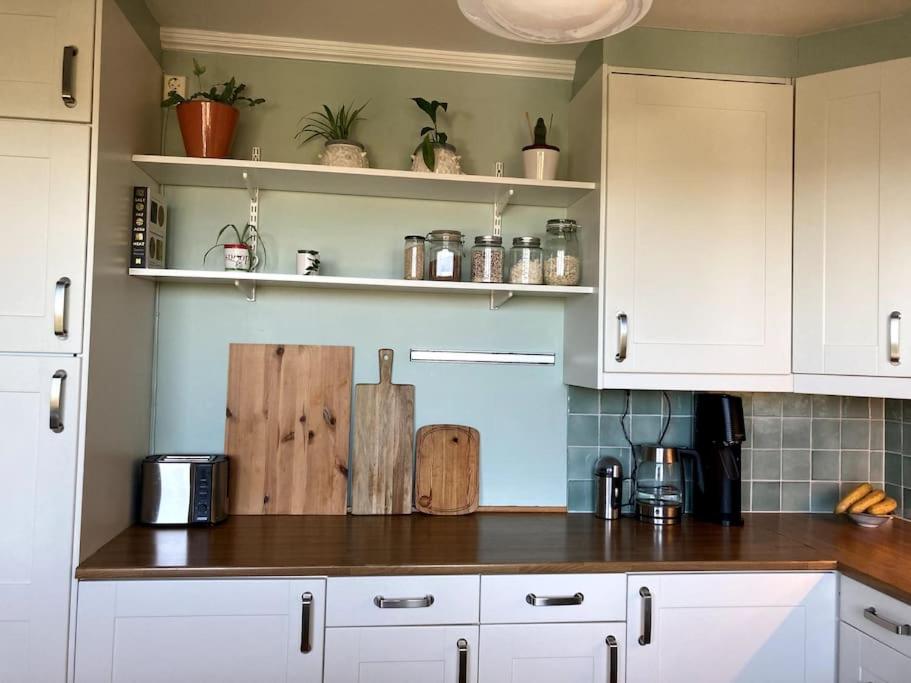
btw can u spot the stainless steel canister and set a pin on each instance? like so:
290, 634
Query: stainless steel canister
608, 488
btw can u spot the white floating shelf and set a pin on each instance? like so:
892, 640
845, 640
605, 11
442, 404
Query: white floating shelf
499, 293
369, 182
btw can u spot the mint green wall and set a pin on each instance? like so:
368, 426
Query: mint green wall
520, 411
854, 46
145, 25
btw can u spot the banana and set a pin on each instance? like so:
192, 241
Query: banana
867, 501
852, 498
884, 507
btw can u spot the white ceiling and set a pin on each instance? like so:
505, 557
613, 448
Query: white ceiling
439, 24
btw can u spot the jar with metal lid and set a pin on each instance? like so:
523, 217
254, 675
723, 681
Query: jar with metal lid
413, 266
487, 257
445, 255
526, 261
562, 263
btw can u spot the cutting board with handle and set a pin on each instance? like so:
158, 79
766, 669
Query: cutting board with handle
382, 460
287, 428
446, 470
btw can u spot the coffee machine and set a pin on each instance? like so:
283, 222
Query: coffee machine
718, 434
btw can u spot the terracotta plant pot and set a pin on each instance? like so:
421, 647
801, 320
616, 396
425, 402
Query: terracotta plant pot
207, 128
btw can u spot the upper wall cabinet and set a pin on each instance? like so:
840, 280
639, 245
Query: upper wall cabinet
696, 235
46, 51
851, 242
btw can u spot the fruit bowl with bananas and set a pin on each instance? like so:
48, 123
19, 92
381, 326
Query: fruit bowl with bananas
867, 506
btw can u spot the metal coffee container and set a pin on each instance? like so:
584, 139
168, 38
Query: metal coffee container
608, 488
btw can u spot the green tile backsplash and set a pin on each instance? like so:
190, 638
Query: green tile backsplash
802, 452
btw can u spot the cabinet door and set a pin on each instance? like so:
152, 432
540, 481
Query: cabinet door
731, 628
406, 654
543, 653
211, 630
861, 659
37, 490
44, 184
35, 62
698, 228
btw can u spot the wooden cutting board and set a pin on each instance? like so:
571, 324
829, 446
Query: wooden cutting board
287, 429
382, 460
446, 470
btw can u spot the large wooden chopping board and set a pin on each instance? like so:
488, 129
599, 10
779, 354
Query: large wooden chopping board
446, 470
287, 429
382, 461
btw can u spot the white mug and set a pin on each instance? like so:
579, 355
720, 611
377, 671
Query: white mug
307, 262
237, 257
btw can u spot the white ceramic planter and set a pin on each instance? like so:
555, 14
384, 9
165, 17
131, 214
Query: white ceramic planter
541, 162
447, 159
344, 153
237, 257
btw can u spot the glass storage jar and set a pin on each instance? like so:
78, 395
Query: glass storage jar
526, 261
562, 264
413, 265
445, 255
487, 257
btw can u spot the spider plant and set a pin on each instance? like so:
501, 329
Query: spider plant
431, 135
249, 236
331, 125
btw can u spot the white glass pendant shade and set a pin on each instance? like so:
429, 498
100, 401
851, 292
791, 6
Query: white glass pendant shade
554, 21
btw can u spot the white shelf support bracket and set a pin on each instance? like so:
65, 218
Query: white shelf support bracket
248, 289
499, 206
497, 299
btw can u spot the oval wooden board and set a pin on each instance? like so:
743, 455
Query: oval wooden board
446, 470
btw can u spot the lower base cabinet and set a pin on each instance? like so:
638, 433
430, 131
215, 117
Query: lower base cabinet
862, 659
402, 654
206, 630
546, 653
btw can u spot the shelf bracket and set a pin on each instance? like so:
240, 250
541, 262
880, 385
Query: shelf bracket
248, 288
497, 299
499, 206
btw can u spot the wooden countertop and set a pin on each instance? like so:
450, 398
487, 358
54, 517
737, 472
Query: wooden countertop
497, 543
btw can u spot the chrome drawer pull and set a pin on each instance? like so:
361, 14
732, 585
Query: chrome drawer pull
646, 595
402, 603
66, 78
554, 600
462, 644
895, 336
56, 413
612, 659
61, 290
306, 619
898, 629
622, 337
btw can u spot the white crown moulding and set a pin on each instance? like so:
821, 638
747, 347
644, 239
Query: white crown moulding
192, 40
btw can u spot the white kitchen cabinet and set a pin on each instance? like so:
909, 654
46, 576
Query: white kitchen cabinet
731, 628
851, 243
200, 630
38, 65
406, 654
544, 653
39, 418
862, 659
44, 188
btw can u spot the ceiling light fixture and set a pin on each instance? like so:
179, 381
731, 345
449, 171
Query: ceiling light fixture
554, 21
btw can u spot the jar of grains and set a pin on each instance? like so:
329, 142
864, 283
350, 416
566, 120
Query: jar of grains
487, 256
562, 264
445, 255
526, 261
414, 258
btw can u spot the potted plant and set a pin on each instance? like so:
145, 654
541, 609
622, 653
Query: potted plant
208, 118
540, 159
242, 254
335, 127
434, 154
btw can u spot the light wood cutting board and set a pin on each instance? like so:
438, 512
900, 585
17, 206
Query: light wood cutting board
287, 429
382, 460
446, 470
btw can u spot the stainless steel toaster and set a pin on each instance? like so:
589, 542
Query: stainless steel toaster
184, 489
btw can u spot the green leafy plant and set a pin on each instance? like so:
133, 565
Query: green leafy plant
229, 92
248, 236
430, 134
328, 124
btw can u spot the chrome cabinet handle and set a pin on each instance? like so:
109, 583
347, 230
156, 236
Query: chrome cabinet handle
554, 600
895, 335
622, 336
66, 78
306, 622
56, 419
612, 659
462, 644
61, 290
402, 603
898, 629
646, 595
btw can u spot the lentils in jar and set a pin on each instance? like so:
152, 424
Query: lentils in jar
487, 257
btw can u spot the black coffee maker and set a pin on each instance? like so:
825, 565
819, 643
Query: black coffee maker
719, 431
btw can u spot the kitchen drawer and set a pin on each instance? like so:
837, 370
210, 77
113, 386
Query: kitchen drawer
856, 598
865, 660
402, 600
541, 598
